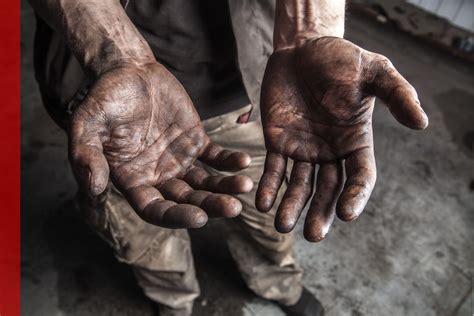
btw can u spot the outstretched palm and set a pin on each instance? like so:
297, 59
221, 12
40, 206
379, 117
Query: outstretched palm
139, 122
317, 102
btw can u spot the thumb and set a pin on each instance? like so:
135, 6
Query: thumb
86, 156
400, 97
90, 168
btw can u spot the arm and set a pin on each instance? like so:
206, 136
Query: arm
137, 124
317, 99
99, 33
296, 21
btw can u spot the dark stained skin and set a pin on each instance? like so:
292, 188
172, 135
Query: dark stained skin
138, 124
317, 101
139, 128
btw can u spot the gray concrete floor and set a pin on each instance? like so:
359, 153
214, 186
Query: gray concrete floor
410, 253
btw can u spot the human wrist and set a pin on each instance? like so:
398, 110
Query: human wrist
297, 21
96, 63
101, 43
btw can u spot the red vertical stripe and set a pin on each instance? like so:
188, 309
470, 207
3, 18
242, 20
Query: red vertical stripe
10, 158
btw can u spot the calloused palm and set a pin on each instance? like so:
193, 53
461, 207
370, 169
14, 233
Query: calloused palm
317, 102
138, 124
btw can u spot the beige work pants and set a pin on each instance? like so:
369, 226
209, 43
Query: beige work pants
161, 258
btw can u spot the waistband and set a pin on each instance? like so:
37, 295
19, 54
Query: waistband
225, 120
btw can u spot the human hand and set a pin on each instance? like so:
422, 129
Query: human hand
139, 126
317, 101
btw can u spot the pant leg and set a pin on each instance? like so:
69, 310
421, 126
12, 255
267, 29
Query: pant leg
263, 256
161, 258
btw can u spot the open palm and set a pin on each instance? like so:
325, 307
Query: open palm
317, 102
138, 124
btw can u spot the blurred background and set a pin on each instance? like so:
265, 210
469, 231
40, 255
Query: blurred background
410, 253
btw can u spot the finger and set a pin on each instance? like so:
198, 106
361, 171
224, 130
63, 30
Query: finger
200, 179
150, 205
85, 153
270, 183
322, 210
222, 159
361, 175
296, 196
399, 95
90, 168
215, 205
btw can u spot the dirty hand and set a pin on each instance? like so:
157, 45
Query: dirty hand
139, 126
317, 101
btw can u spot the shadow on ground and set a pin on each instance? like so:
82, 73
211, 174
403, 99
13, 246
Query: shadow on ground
87, 269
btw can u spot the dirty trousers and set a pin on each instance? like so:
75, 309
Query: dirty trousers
162, 259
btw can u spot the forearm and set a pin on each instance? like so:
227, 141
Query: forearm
98, 32
298, 20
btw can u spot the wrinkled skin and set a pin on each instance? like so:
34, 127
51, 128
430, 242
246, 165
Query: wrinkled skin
317, 102
139, 126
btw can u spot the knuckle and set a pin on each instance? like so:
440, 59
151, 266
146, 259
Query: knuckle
384, 62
